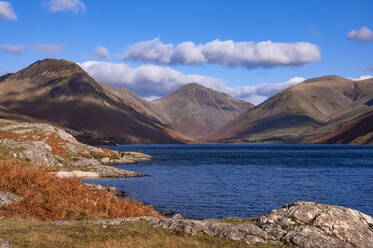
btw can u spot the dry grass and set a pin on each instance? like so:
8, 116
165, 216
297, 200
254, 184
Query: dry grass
46, 197
26, 233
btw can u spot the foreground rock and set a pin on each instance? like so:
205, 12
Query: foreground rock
7, 198
309, 224
46, 145
299, 224
4, 244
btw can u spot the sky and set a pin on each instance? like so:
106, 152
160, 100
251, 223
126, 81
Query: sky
248, 49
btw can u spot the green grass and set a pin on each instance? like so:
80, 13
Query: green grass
6, 152
28, 233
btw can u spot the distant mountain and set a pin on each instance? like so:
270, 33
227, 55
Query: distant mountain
301, 111
141, 105
197, 111
60, 92
356, 131
5, 76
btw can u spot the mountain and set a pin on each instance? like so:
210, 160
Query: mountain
197, 111
356, 131
5, 76
141, 105
61, 92
301, 111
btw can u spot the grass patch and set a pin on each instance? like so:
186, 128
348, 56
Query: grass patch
105, 153
33, 234
5, 123
47, 197
6, 152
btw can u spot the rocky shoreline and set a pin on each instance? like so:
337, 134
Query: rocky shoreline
297, 224
45, 145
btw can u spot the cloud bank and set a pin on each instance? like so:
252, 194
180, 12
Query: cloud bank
12, 49
6, 11
364, 34
248, 54
362, 77
66, 5
152, 81
102, 52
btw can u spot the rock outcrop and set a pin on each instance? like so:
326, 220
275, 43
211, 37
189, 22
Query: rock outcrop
310, 224
47, 145
298, 224
7, 198
4, 244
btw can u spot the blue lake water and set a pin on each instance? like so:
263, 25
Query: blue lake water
217, 181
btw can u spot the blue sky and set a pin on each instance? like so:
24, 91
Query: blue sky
73, 29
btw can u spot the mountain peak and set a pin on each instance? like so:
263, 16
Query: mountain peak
198, 111
50, 68
325, 78
192, 85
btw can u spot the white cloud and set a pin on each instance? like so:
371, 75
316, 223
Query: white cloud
102, 52
229, 53
152, 81
144, 80
150, 51
364, 34
6, 11
151, 98
66, 5
362, 77
259, 93
48, 49
13, 49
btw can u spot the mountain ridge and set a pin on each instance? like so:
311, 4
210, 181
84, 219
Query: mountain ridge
300, 111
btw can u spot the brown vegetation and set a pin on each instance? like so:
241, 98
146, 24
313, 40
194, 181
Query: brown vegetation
46, 197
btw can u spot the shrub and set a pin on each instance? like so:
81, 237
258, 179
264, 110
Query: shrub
47, 197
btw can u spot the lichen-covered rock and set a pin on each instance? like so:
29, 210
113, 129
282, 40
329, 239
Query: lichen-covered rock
7, 198
36, 152
310, 224
4, 244
45, 145
247, 231
103, 170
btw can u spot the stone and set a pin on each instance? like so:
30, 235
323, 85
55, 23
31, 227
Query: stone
77, 173
177, 216
4, 244
167, 212
105, 160
310, 224
7, 198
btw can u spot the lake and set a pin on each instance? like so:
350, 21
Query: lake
217, 181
